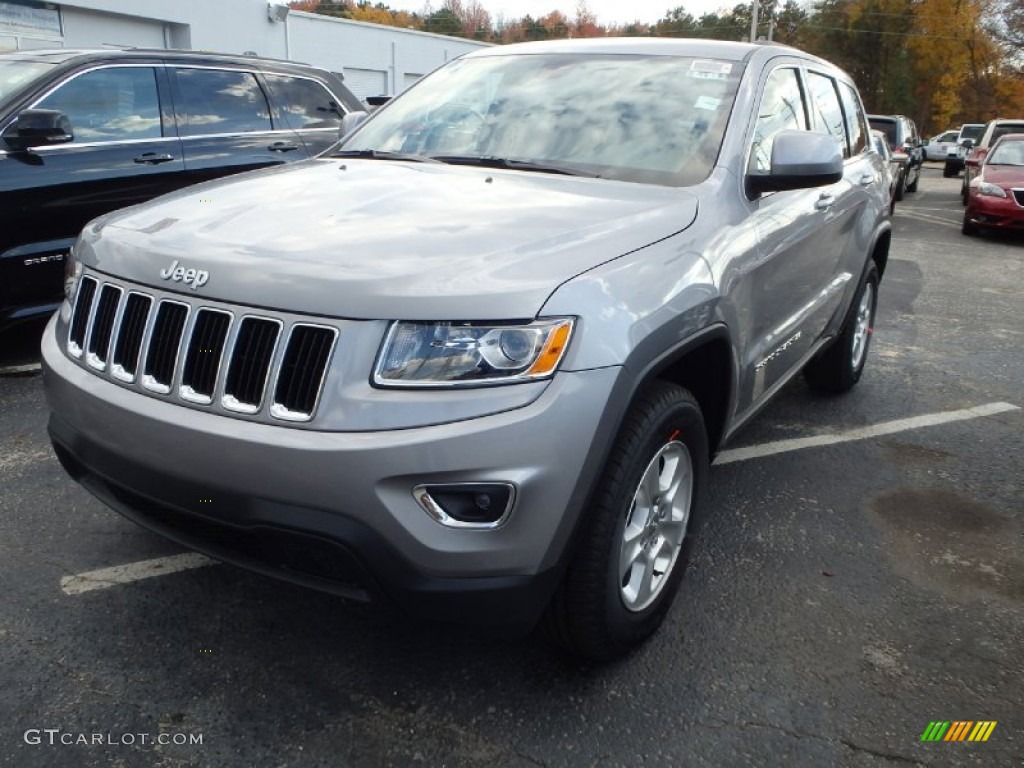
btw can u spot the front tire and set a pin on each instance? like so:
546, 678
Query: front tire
968, 227
638, 530
839, 367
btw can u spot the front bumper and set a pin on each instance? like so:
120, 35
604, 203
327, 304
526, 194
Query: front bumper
335, 511
994, 212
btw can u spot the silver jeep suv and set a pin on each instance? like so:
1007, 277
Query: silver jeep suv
476, 360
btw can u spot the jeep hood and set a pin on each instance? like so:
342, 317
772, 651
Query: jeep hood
374, 239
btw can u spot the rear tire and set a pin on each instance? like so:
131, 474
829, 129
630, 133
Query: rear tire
837, 368
913, 186
638, 530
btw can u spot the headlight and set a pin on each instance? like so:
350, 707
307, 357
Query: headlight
470, 354
72, 272
991, 190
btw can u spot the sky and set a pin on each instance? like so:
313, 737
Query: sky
607, 11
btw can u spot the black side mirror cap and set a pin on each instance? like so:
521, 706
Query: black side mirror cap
39, 128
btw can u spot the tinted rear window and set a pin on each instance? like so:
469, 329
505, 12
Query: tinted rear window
971, 131
888, 127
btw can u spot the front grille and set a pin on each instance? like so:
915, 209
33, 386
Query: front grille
202, 355
1018, 195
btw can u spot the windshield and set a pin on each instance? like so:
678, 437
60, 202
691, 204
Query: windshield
16, 74
1007, 153
651, 119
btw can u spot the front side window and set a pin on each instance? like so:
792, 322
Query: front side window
648, 119
110, 104
828, 114
782, 108
305, 104
221, 101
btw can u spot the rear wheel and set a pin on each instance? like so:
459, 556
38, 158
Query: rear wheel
912, 187
837, 368
638, 530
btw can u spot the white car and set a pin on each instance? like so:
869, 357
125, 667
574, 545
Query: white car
938, 147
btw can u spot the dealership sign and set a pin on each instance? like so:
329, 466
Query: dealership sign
23, 17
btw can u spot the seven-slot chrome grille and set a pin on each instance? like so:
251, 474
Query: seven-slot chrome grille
242, 362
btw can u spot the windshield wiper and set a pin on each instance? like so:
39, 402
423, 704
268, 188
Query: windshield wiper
383, 154
490, 161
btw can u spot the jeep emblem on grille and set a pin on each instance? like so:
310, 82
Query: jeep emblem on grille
196, 278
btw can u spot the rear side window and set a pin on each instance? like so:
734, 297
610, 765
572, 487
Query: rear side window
110, 104
220, 101
828, 114
304, 103
782, 108
1001, 129
856, 123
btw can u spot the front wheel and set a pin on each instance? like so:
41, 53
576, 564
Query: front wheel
968, 227
837, 368
638, 529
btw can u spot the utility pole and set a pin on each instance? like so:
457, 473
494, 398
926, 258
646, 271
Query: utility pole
753, 22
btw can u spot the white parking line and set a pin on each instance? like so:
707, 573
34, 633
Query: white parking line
862, 433
125, 574
926, 217
147, 569
21, 368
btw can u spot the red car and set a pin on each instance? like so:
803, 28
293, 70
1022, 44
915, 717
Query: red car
995, 196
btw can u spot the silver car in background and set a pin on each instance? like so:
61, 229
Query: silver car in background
476, 361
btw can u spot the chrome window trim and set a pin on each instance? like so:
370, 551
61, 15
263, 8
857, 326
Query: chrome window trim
76, 75
279, 411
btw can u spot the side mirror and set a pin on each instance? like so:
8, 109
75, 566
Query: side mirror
967, 143
39, 128
377, 101
350, 122
800, 160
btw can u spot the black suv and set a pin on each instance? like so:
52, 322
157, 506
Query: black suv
83, 133
907, 148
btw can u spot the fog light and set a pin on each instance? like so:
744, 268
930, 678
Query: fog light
467, 505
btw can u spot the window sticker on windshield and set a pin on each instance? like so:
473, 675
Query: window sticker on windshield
709, 103
710, 70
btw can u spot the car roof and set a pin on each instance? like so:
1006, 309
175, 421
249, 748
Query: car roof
718, 49
66, 55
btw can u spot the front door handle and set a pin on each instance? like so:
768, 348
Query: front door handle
825, 201
867, 179
282, 146
152, 158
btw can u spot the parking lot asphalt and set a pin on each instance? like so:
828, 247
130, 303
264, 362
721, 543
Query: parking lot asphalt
845, 592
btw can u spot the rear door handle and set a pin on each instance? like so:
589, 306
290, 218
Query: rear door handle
282, 146
867, 179
825, 201
152, 158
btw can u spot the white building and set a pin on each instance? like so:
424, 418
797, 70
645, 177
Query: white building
374, 59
